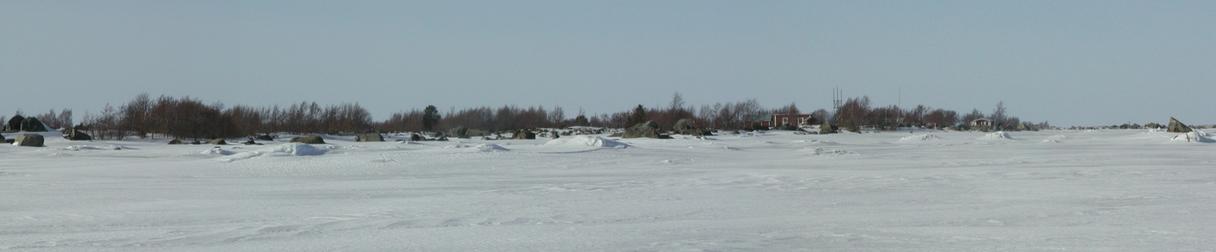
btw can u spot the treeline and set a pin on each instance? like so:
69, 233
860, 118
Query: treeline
190, 118
857, 113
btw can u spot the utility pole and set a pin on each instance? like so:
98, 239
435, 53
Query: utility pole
837, 95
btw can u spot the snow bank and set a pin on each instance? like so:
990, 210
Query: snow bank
91, 147
218, 151
583, 141
490, 148
817, 151
1194, 136
298, 149
999, 135
920, 138
485, 147
1054, 139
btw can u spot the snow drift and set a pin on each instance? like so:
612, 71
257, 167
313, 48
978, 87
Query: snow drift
999, 135
1194, 136
920, 138
298, 149
585, 141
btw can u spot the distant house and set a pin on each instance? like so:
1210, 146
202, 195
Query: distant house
762, 123
982, 123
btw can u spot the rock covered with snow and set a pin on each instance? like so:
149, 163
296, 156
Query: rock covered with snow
298, 149
648, 129
1195, 136
28, 140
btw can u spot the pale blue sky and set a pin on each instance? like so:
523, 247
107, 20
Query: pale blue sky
1069, 62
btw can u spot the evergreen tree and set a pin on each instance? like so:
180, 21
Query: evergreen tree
430, 118
638, 116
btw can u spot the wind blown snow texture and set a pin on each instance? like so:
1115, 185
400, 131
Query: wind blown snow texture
960, 191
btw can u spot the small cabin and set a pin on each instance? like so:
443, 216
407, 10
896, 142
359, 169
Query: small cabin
981, 123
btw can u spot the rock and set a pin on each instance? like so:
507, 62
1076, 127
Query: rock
686, 127
175, 141
28, 140
32, 124
265, 137
308, 140
196, 142
648, 129
218, 141
524, 134
416, 137
76, 135
683, 127
826, 128
14, 124
1178, 127
369, 137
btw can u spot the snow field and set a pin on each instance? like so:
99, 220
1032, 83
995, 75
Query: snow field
775, 191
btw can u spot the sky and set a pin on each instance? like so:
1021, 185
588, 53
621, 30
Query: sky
1067, 62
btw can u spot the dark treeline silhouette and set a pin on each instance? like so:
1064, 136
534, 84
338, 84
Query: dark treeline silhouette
190, 118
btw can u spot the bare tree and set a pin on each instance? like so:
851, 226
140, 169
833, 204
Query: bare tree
998, 116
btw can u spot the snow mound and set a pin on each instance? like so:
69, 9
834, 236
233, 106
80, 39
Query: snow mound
218, 151
485, 147
583, 141
920, 138
1054, 139
91, 147
828, 152
298, 149
999, 135
490, 148
1194, 136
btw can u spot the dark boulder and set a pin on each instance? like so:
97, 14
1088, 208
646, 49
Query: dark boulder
218, 141
308, 140
32, 124
416, 137
14, 124
369, 137
265, 137
76, 135
524, 134
28, 140
648, 129
175, 141
686, 127
1178, 127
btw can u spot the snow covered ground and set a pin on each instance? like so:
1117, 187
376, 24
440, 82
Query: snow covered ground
896, 191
